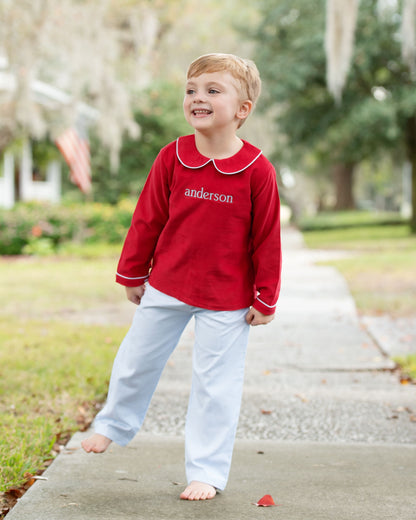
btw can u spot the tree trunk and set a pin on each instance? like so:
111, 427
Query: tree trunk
343, 175
411, 155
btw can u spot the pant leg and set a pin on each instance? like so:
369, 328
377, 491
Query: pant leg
156, 328
214, 405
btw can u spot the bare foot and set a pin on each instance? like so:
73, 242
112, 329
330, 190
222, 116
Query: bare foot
97, 443
198, 491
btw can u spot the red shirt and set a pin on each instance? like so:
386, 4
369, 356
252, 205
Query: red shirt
207, 230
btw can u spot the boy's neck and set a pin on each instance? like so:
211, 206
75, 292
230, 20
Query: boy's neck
218, 146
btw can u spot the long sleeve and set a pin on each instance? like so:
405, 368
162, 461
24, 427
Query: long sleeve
266, 244
149, 219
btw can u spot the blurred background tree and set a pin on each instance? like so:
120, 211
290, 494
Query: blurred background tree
375, 118
292, 58
91, 49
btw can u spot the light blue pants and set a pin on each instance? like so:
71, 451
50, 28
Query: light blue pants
217, 380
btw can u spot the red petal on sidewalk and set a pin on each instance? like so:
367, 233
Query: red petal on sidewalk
265, 501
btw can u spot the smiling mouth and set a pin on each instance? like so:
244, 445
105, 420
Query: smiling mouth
201, 112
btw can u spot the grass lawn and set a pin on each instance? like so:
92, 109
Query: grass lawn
52, 372
381, 270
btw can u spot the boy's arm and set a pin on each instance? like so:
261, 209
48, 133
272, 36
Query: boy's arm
267, 255
149, 219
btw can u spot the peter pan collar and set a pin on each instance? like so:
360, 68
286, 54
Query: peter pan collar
189, 156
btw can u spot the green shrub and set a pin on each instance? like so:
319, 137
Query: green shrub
37, 228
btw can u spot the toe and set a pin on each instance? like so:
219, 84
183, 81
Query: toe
198, 491
86, 446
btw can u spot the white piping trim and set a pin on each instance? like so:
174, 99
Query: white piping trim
186, 166
270, 306
213, 162
242, 169
132, 278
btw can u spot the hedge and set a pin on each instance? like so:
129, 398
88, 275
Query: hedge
42, 228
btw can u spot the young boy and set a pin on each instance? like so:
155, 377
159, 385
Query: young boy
205, 242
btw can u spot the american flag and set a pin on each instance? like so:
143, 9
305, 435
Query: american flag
76, 151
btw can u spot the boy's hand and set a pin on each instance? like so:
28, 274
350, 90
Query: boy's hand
255, 317
135, 294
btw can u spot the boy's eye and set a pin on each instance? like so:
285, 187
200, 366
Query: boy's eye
190, 91
213, 91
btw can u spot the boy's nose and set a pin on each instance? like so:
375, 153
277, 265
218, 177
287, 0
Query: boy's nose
200, 97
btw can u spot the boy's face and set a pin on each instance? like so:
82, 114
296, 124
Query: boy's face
213, 102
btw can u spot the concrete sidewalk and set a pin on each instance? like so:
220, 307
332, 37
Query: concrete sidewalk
309, 482
326, 428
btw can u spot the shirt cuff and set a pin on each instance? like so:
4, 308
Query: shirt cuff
263, 307
131, 281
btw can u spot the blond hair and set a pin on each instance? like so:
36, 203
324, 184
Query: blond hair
244, 71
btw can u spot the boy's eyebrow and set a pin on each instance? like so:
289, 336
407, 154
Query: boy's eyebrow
189, 84
216, 84
211, 83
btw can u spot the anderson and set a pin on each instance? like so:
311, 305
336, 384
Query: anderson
201, 194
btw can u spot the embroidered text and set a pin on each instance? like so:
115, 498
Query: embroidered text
202, 194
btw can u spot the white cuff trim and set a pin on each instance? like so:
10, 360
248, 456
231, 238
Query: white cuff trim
269, 306
132, 278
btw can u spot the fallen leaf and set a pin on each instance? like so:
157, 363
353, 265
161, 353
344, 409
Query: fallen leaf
30, 479
14, 492
266, 412
412, 418
266, 501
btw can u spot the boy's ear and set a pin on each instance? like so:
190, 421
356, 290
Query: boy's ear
245, 109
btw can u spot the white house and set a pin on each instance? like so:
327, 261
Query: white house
28, 187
